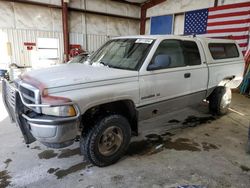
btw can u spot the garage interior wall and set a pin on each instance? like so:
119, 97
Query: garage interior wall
21, 23
177, 7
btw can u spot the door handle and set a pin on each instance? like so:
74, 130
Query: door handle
187, 75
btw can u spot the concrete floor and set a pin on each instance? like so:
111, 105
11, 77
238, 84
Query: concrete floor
199, 150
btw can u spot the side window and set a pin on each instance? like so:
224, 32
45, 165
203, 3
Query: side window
191, 53
223, 50
170, 50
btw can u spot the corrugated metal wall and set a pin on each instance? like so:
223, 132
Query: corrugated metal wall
93, 41
20, 54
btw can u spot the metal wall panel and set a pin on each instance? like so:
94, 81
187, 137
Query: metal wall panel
17, 37
21, 56
92, 43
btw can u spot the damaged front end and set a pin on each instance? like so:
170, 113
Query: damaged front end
23, 103
15, 108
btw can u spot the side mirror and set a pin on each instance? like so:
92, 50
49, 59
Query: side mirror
160, 62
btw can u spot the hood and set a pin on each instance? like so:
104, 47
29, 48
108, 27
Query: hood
71, 74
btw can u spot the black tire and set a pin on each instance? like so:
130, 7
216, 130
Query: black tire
90, 141
219, 100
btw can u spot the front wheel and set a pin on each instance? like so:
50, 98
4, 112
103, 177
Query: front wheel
219, 100
107, 141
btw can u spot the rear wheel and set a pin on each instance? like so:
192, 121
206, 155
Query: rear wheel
220, 100
107, 141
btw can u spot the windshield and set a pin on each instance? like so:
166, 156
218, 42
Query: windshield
122, 53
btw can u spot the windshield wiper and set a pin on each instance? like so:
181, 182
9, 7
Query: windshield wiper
107, 65
102, 62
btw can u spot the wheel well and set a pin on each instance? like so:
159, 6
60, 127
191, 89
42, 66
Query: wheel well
123, 107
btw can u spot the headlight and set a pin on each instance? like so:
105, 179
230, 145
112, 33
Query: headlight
66, 111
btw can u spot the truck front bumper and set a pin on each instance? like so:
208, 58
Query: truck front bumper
59, 132
49, 130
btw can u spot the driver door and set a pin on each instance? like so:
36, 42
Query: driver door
165, 89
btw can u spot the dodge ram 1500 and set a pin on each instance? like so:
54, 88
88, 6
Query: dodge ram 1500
102, 97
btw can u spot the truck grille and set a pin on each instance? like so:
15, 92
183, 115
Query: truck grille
30, 95
9, 99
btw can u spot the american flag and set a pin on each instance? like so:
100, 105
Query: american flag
227, 21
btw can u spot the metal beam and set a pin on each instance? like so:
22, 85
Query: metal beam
215, 3
65, 30
73, 9
127, 2
103, 14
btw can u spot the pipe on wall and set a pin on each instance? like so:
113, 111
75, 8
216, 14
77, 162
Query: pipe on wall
65, 29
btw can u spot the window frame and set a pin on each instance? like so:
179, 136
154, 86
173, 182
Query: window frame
182, 52
223, 43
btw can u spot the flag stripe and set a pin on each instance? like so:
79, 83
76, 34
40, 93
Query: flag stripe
243, 44
226, 34
228, 15
224, 18
241, 37
230, 22
230, 6
225, 11
242, 41
228, 30
232, 26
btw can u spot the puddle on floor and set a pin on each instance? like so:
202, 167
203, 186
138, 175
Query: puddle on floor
192, 121
47, 154
182, 144
52, 170
65, 153
173, 121
245, 168
36, 147
4, 179
7, 162
208, 146
154, 143
167, 134
64, 172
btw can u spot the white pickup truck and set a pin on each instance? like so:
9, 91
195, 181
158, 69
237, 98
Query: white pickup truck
103, 96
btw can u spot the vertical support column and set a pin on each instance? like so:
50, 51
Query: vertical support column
215, 3
65, 29
143, 20
144, 8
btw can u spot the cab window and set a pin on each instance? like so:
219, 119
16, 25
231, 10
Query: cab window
223, 50
191, 53
178, 54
